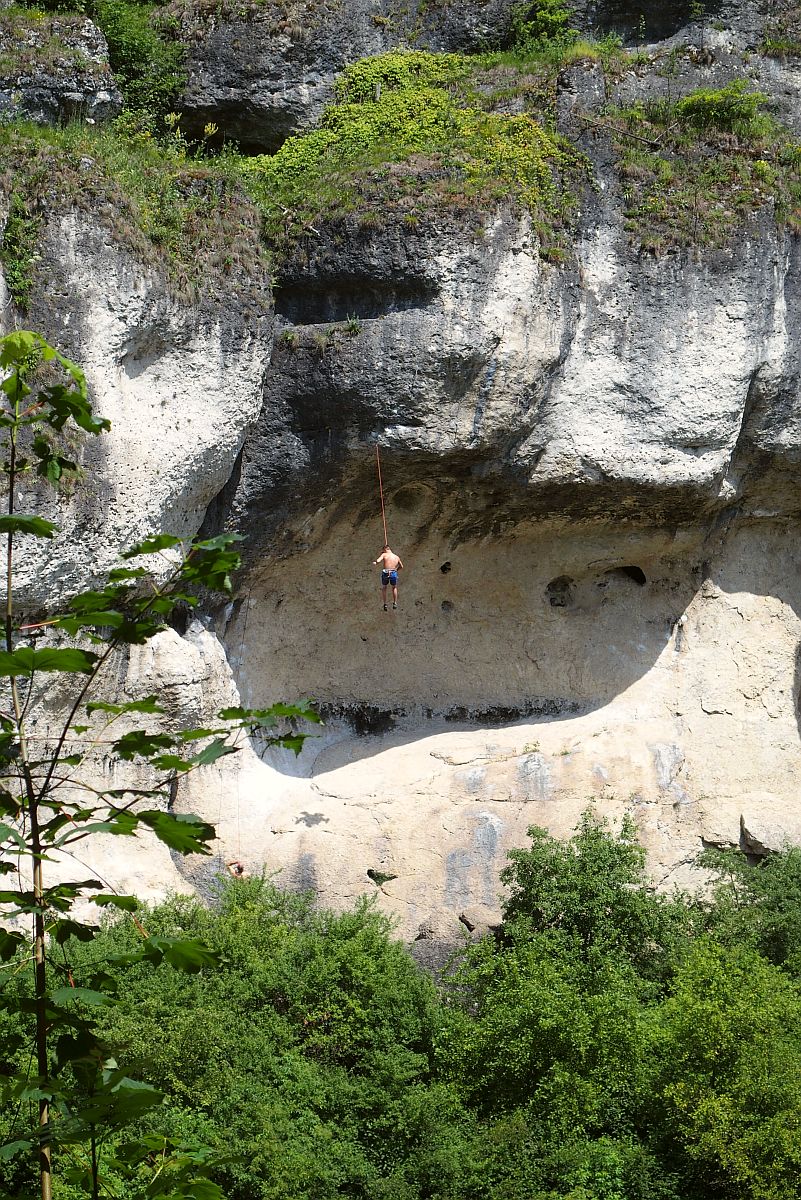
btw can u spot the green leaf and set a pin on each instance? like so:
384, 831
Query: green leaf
219, 748
139, 743
9, 834
268, 717
120, 1101
180, 831
126, 903
64, 995
65, 928
151, 545
10, 944
171, 762
221, 542
148, 705
26, 661
185, 954
292, 741
19, 1146
191, 1189
69, 403
119, 574
36, 526
106, 618
10, 806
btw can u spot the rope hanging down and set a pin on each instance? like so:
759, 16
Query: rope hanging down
381, 493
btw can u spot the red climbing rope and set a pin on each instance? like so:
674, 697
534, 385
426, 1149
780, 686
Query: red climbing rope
381, 493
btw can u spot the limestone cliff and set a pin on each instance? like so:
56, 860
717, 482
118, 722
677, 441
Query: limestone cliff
591, 470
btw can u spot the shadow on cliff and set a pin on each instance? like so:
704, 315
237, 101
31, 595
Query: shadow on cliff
526, 629
539, 626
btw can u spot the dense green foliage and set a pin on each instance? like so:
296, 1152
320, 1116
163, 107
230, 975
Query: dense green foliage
145, 56
543, 22
611, 1044
696, 168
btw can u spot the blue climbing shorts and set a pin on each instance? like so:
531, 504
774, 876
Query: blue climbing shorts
389, 577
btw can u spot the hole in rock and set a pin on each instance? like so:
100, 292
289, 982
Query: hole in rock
409, 497
560, 592
636, 574
343, 299
446, 606
446, 566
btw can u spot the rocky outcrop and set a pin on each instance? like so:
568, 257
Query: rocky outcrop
180, 383
269, 74
54, 68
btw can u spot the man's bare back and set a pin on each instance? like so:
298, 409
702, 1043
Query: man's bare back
389, 560
390, 564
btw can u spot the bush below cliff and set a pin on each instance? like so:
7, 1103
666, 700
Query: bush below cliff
601, 1047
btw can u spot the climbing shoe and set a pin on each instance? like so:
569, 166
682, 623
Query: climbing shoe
385, 608
394, 606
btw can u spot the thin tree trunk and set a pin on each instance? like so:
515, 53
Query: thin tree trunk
32, 804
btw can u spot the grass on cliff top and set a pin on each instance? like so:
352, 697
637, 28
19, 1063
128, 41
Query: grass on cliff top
409, 135
782, 37
170, 210
32, 41
694, 170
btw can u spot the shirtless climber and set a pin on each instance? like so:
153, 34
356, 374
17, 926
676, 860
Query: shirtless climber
390, 565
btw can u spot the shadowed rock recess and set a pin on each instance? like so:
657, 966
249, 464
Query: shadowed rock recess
591, 471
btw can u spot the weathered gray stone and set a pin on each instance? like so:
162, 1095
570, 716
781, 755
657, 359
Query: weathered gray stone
591, 473
269, 75
768, 833
180, 382
481, 920
54, 68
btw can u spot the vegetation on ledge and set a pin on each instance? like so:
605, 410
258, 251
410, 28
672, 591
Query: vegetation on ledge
408, 135
695, 169
34, 42
782, 29
154, 197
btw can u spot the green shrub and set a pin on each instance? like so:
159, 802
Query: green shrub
733, 108
543, 21
146, 59
727, 1080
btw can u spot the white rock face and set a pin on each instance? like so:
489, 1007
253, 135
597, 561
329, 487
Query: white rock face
180, 386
